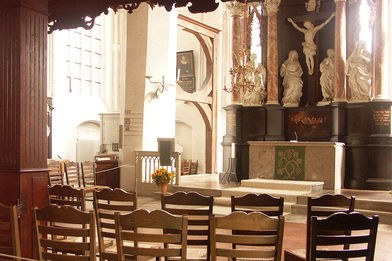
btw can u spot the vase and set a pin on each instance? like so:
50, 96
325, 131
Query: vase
164, 188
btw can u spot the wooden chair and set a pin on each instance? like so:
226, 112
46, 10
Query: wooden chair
80, 225
9, 231
55, 174
106, 202
88, 173
65, 195
320, 207
198, 208
72, 174
142, 227
185, 167
194, 166
259, 246
264, 203
331, 232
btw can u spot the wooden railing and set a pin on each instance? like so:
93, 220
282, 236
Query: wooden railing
148, 161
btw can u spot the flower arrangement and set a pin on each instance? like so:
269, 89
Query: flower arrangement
161, 176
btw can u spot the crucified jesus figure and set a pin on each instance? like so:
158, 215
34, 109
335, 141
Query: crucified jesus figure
309, 47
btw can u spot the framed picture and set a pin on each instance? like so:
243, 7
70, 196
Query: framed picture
185, 66
187, 83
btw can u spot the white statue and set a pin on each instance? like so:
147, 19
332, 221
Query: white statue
358, 70
309, 47
255, 95
327, 77
291, 72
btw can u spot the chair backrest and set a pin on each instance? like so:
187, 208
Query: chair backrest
324, 206
9, 230
264, 203
106, 202
198, 208
88, 173
141, 228
194, 166
55, 174
79, 225
263, 246
65, 195
328, 235
72, 174
186, 167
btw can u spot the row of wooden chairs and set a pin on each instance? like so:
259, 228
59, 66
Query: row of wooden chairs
72, 173
199, 226
105, 208
175, 227
189, 167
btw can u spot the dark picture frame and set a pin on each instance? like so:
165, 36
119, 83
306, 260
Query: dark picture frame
185, 64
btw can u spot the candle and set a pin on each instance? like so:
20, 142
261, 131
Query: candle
178, 75
233, 150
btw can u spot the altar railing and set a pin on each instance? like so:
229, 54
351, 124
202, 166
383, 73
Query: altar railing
148, 161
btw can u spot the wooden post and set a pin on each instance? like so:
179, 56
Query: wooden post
23, 106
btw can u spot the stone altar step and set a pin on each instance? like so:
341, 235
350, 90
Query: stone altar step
290, 185
367, 207
226, 201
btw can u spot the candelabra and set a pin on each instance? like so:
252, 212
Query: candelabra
244, 75
160, 87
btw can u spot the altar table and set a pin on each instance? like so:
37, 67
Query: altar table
307, 161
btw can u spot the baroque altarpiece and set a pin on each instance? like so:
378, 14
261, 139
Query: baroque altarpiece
362, 123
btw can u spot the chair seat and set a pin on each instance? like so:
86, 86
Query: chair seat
295, 255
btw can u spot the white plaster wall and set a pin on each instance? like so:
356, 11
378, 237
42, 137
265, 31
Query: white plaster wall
189, 115
159, 114
183, 138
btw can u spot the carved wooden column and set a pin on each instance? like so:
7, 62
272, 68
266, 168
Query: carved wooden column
23, 131
237, 10
380, 51
340, 52
271, 7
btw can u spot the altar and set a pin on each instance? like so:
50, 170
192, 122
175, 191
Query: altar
308, 161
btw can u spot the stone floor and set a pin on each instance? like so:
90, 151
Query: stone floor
294, 234
295, 228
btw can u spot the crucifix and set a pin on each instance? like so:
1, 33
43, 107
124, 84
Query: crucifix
309, 31
310, 20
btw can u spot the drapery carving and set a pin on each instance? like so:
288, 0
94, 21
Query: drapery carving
64, 15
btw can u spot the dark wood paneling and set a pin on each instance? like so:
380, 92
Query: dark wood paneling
109, 178
23, 154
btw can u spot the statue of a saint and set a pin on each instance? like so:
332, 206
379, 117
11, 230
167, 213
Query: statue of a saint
291, 72
358, 70
309, 47
327, 76
255, 95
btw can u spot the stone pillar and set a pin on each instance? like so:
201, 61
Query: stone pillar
23, 106
380, 52
340, 51
237, 10
271, 8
